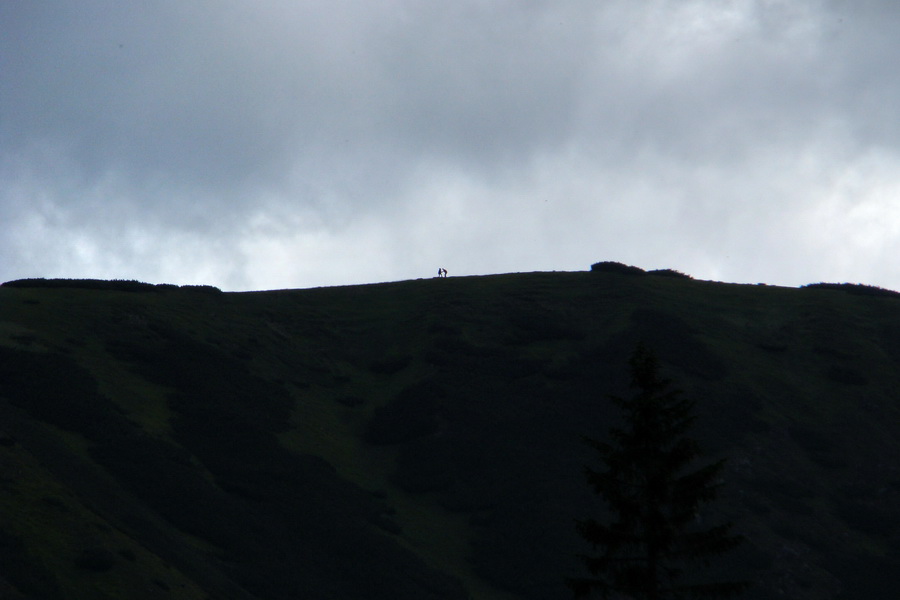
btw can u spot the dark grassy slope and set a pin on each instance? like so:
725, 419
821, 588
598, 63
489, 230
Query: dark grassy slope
421, 439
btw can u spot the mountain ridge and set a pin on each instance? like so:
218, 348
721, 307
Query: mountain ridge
422, 438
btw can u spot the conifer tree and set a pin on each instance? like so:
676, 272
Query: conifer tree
653, 540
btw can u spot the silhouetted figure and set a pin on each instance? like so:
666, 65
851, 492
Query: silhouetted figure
444, 271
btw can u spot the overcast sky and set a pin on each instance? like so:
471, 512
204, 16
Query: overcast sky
293, 144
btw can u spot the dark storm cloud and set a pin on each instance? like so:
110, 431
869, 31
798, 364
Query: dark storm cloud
302, 143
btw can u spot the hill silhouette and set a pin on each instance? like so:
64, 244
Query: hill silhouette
422, 439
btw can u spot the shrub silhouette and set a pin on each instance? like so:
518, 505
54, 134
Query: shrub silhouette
858, 289
616, 267
669, 273
116, 285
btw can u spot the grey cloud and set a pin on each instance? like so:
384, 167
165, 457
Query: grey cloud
236, 99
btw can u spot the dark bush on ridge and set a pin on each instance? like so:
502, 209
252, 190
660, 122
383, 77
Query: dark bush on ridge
203, 289
858, 289
122, 285
119, 285
669, 273
616, 267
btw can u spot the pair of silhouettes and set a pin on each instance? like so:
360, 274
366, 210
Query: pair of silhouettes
442, 272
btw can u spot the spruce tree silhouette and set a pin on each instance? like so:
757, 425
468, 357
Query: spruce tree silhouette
649, 548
